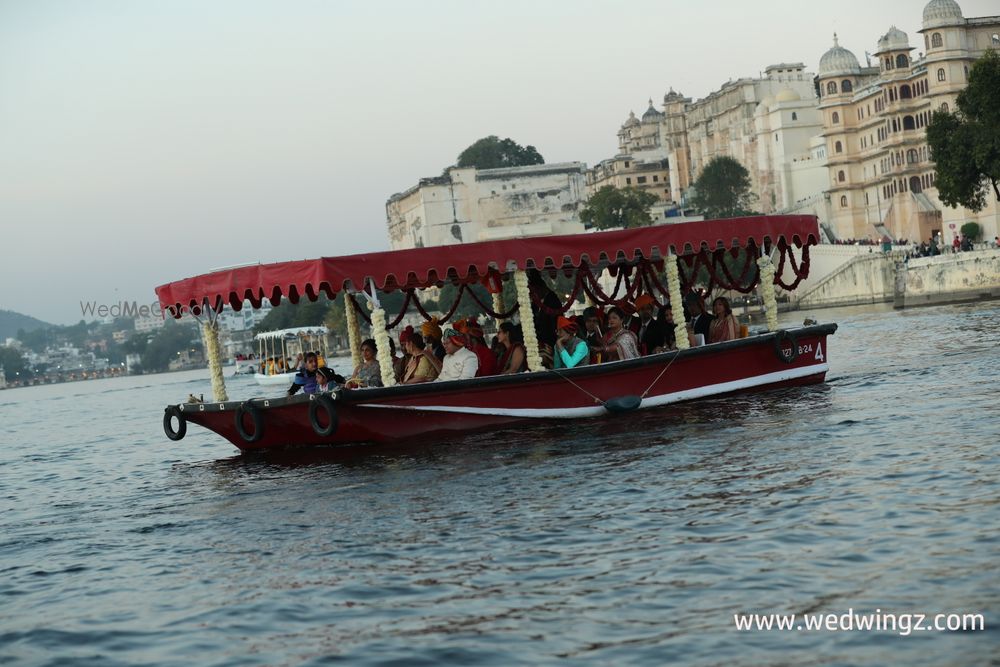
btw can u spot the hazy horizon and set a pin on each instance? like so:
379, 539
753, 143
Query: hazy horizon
146, 142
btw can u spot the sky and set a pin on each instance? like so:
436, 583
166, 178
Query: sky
146, 141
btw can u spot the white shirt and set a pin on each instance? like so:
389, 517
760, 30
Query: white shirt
462, 365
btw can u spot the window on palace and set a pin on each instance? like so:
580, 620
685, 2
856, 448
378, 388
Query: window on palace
940, 75
911, 156
901, 61
641, 179
846, 86
795, 116
944, 107
909, 123
841, 176
626, 165
835, 118
995, 39
838, 147
936, 40
656, 179
628, 181
915, 184
831, 88
843, 201
904, 92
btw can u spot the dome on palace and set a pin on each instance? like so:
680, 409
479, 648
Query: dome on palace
942, 12
787, 95
894, 40
672, 96
838, 61
651, 113
632, 121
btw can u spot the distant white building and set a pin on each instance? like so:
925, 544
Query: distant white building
149, 323
247, 318
468, 204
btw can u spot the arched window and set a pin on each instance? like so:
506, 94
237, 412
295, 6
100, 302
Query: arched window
944, 107
995, 39
795, 116
915, 184
838, 147
843, 201
888, 63
831, 88
895, 125
905, 92
936, 40
940, 74
909, 123
835, 118
841, 176
901, 61
846, 86
911, 156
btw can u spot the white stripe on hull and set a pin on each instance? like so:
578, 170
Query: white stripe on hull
649, 402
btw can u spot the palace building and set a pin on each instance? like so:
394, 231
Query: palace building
880, 170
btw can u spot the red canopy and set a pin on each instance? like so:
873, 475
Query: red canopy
467, 262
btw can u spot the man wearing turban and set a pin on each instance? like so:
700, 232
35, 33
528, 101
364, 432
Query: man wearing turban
459, 363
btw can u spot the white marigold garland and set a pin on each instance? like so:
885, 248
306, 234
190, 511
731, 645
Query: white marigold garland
353, 331
210, 336
766, 267
676, 305
532, 354
383, 351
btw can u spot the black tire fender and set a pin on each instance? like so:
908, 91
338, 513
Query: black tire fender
168, 427
325, 403
248, 408
780, 338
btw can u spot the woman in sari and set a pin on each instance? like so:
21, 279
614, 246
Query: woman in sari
724, 327
418, 367
512, 358
368, 373
619, 342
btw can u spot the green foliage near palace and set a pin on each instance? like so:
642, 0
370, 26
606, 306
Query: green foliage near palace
493, 152
12, 362
173, 337
612, 207
723, 189
972, 231
965, 144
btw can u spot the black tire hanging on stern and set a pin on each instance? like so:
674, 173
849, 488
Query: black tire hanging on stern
333, 421
168, 427
780, 337
248, 408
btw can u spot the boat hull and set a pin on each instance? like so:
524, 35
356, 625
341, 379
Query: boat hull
416, 412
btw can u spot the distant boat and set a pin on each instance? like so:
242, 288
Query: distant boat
279, 349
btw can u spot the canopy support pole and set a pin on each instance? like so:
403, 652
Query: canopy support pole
766, 267
213, 350
532, 356
676, 305
498, 306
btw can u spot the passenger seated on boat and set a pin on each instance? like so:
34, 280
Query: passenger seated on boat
459, 363
649, 331
724, 327
398, 363
592, 333
619, 342
311, 379
404, 338
665, 318
477, 343
367, 373
432, 337
418, 366
512, 356
570, 351
701, 319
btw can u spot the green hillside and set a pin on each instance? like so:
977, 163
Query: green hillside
10, 322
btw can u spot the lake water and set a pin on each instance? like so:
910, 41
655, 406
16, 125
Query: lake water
630, 541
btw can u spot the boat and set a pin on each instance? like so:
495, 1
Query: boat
285, 344
662, 261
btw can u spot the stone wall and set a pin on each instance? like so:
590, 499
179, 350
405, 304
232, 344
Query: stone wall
865, 278
951, 278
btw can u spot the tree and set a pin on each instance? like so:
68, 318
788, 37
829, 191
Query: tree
172, 338
723, 189
612, 207
492, 152
972, 231
12, 362
965, 144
